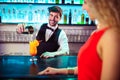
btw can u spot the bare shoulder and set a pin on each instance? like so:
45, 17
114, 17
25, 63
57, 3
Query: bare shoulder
112, 36
110, 42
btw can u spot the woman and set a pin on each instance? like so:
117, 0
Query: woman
99, 57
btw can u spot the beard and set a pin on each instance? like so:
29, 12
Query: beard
52, 23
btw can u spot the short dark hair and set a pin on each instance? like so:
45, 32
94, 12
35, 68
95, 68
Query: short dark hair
55, 9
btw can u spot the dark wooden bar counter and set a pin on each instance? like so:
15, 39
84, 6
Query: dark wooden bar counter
20, 67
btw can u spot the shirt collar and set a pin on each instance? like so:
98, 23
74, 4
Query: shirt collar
55, 27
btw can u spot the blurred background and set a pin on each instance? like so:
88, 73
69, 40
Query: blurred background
75, 22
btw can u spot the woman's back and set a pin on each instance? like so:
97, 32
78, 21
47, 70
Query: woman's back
89, 62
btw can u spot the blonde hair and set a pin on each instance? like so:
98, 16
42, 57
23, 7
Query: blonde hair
106, 11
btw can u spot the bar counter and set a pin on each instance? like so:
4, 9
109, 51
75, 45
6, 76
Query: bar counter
20, 67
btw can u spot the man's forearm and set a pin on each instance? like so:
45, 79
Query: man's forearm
61, 52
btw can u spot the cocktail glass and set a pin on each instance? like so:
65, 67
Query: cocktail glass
33, 50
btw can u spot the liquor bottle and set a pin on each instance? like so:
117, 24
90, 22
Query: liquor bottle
0, 16
40, 1
72, 1
4, 15
51, 1
76, 1
39, 15
92, 23
63, 1
46, 1
13, 14
82, 18
35, 14
57, 1
70, 16
9, 14
74, 17
0, 19
81, 1
30, 16
65, 18
87, 20
35, 1
20, 16
67, 1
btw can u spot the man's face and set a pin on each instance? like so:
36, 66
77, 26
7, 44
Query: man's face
86, 7
54, 18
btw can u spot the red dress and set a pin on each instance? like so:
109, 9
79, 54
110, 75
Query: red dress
89, 62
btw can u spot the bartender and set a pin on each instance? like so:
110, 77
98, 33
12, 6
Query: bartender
53, 40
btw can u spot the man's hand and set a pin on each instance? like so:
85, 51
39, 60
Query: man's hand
47, 55
20, 28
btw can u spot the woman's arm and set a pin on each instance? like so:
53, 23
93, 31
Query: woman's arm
51, 71
110, 49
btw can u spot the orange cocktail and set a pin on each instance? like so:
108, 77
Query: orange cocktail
33, 47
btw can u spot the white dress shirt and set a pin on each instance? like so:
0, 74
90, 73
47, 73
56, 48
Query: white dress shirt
62, 41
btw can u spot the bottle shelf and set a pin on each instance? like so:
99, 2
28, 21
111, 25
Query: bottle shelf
37, 13
44, 1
